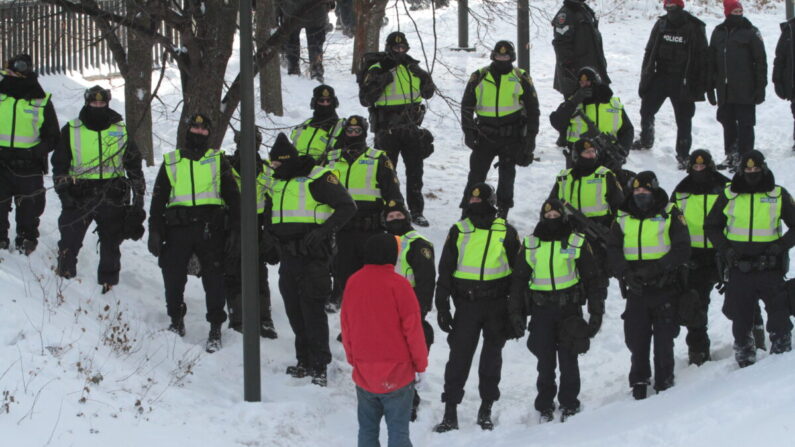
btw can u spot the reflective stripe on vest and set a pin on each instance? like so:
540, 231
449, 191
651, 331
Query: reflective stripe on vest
587, 194
553, 267
261, 180
313, 141
359, 178
293, 201
481, 253
753, 217
494, 100
607, 116
194, 183
646, 239
696, 208
404, 88
402, 267
97, 155
21, 120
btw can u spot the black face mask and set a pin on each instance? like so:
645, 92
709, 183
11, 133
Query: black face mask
398, 227
753, 178
480, 209
551, 229
287, 169
323, 112
586, 164
700, 176
353, 142
733, 20
96, 118
197, 143
676, 15
643, 201
502, 67
23, 88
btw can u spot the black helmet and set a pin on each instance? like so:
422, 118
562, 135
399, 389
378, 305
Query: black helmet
356, 120
21, 63
200, 120
581, 145
700, 156
396, 38
645, 179
323, 91
96, 93
257, 137
485, 192
504, 47
590, 74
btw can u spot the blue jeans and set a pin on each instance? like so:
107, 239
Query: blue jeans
394, 406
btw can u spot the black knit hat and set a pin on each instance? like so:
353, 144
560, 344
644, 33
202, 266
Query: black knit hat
97, 93
257, 137
645, 179
581, 145
396, 38
282, 150
21, 63
381, 249
590, 74
394, 205
323, 91
752, 159
504, 47
485, 192
700, 157
553, 204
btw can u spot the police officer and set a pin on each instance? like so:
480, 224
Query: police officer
744, 225
578, 43
475, 269
646, 247
95, 166
784, 68
505, 104
694, 196
738, 72
416, 263
193, 191
674, 67
314, 21
595, 100
305, 207
315, 136
232, 273
555, 274
370, 178
394, 89
28, 132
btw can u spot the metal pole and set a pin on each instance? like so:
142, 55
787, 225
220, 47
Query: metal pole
523, 34
249, 247
463, 24
790, 9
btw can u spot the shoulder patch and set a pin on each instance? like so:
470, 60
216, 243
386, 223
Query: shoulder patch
389, 165
681, 218
474, 77
331, 178
560, 18
426, 252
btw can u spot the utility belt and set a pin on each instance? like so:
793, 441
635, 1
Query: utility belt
762, 263
214, 217
485, 292
388, 117
492, 130
297, 247
117, 187
572, 295
20, 163
367, 222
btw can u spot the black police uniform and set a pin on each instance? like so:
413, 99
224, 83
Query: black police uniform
674, 67
100, 200
22, 170
755, 269
652, 295
396, 127
578, 43
314, 21
783, 72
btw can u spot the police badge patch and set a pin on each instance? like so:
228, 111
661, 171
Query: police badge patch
426, 252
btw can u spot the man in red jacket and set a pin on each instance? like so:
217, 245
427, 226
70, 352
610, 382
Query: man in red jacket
384, 342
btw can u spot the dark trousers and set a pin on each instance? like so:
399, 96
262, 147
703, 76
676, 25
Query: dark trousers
703, 281
233, 286
792, 108
181, 243
315, 38
543, 342
738, 122
648, 315
305, 285
73, 224
405, 142
669, 87
346, 13
743, 293
472, 317
480, 162
349, 257
27, 192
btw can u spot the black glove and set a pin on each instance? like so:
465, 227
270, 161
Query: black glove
759, 96
232, 243
445, 320
648, 272
525, 156
711, 97
134, 218
581, 95
155, 243
518, 325
470, 138
316, 236
594, 323
268, 248
387, 64
633, 280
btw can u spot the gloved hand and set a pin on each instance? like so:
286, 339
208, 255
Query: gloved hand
648, 272
388, 63
316, 236
594, 323
759, 96
730, 256
711, 97
773, 250
232, 243
155, 243
581, 95
633, 280
268, 249
525, 156
518, 326
445, 320
470, 138
418, 377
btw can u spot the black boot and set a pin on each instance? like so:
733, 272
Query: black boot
663, 384
759, 337
4, 243
319, 376
484, 415
639, 391
415, 405
745, 352
297, 371
683, 148
503, 210
566, 412
267, 330
547, 415
177, 326
698, 358
780, 344
646, 140
26, 246
449, 420
214, 338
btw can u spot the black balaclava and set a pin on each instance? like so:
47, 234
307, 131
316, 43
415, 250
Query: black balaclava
96, 118
675, 15
397, 38
502, 67
644, 202
483, 213
584, 166
398, 227
556, 229
284, 152
381, 249
752, 159
701, 156
353, 146
25, 87
196, 144
320, 112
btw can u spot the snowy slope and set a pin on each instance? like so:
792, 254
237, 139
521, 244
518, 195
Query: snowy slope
80, 368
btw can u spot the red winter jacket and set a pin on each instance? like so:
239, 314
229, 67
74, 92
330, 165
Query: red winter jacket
382, 329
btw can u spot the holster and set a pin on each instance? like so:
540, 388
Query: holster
571, 296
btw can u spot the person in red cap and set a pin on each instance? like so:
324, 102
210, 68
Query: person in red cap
674, 67
783, 73
737, 80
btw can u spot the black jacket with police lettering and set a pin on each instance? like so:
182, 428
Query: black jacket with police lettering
578, 43
783, 73
677, 50
738, 64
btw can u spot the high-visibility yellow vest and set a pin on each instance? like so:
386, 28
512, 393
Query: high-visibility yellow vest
608, 117
553, 265
481, 253
588, 194
496, 101
753, 217
194, 183
646, 239
21, 120
293, 201
696, 208
402, 267
404, 88
261, 188
360, 178
314, 141
97, 154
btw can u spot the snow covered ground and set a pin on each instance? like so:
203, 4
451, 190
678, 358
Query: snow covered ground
81, 368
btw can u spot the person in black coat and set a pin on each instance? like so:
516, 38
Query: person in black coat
315, 22
783, 73
738, 73
578, 43
674, 67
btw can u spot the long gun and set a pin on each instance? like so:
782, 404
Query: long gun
613, 154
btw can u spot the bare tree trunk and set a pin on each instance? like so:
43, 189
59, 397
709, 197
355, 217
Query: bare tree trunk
369, 17
137, 92
270, 78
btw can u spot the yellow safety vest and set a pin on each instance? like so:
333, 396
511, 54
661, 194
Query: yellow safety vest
404, 88
646, 239
494, 100
553, 266
21, 120
588, 194
360, 178
194, 183
608, 117
753, 217
481, 253
293, 201
97, 155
